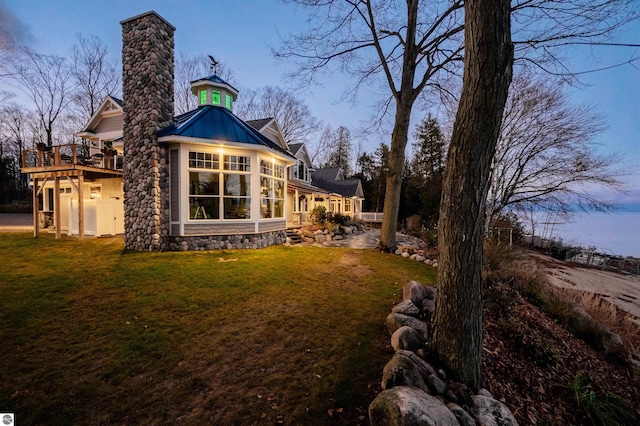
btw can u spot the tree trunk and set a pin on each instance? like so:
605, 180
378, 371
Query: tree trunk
458, 328
399, 139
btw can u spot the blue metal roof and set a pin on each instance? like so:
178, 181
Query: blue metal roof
216, 122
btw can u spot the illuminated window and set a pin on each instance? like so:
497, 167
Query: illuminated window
347, 205
215, 97
271, 190
203, 97
237, 163
227, 101
204, 160
216, 195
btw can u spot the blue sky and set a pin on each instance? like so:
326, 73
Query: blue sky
241, 32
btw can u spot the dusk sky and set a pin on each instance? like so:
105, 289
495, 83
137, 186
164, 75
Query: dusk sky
241, 32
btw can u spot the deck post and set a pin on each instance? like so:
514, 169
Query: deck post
36, 224
81, 206
56, 206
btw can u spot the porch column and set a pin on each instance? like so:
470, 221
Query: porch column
36, 225
56, 205
81, 206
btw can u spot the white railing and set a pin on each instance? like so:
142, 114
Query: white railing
369, 216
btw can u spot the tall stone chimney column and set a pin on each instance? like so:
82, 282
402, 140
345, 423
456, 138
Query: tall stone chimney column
147, 88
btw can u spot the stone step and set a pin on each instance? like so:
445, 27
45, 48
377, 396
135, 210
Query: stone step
294, 237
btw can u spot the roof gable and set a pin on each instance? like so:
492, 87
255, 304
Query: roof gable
110, 106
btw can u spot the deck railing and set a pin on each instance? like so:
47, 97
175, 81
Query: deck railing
70, 155
369, 216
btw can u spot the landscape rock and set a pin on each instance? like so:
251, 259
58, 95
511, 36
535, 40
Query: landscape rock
406, 369
490, 412
436, 385
406, 338
395, 321
414, 291
406, 307
428, 308
409, 407
462, 416
405, 254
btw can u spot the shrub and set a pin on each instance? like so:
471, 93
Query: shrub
319, 214
338, 218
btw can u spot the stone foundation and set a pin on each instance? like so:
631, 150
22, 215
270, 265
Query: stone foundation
227, 242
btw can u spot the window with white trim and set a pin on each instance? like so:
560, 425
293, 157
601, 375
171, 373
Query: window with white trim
271, 190
219, 194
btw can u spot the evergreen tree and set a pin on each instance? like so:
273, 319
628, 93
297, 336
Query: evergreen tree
341, 153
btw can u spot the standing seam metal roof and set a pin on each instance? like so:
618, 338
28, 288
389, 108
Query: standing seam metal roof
216, 122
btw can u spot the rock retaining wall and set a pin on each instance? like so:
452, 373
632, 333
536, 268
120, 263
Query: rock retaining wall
416, 393
227, 242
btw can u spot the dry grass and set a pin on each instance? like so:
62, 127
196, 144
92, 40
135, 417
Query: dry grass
607, 313
95, 335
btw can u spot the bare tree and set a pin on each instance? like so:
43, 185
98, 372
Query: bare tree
458, 328
95, 76
545, 156
293, 116
190, 68
46, 80
411, 47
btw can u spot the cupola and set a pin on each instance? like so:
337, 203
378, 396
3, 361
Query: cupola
213, 90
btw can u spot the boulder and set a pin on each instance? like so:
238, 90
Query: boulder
409, 407
406, 307
463, 417
437, 386
395, 321
406, 369
406, 338
414, 291
490, 412
428, 308
320, 238
405, 254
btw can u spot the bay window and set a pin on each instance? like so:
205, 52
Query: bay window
216, 193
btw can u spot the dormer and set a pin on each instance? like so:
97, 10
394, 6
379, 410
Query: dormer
215, 91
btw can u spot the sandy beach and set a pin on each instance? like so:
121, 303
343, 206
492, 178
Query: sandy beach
622, 290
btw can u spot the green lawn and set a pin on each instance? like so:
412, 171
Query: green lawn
93, 334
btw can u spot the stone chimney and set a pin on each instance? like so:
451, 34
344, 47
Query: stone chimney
147, 88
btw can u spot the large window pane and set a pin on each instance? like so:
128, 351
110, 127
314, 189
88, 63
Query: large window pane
238, 185
278, 208
266, 208
265, 187
278, 188
203, 183
204, 208
237, 208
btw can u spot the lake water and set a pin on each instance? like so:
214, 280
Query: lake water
615, 233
